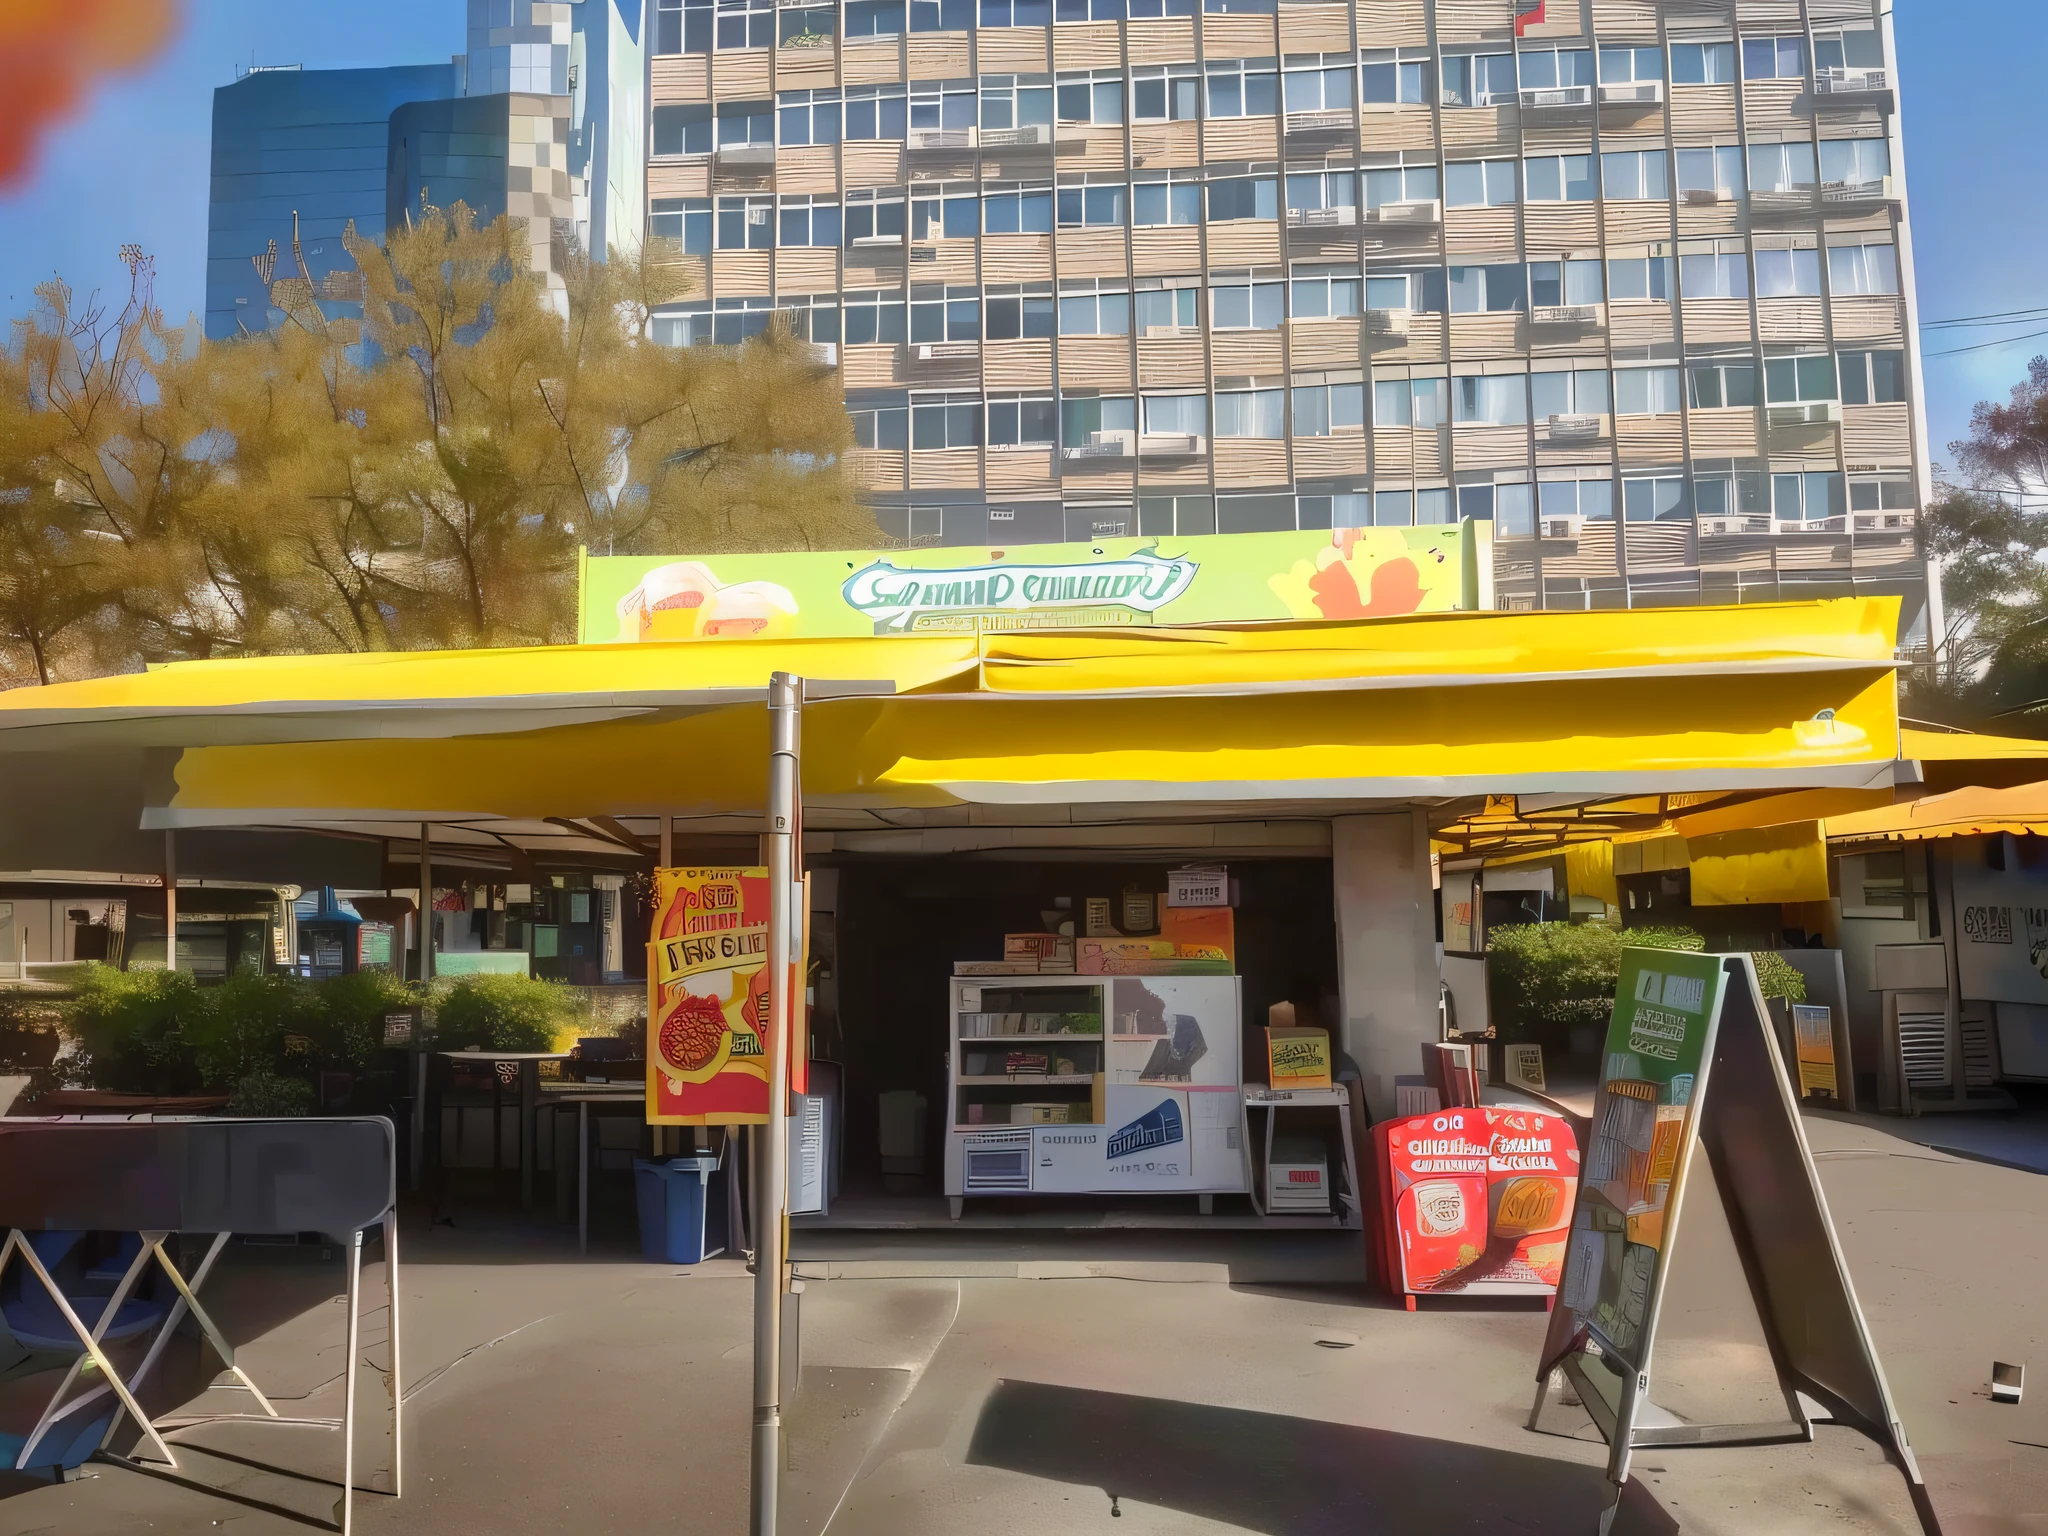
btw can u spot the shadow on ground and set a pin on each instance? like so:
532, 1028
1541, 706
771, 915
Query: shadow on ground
1285, 1476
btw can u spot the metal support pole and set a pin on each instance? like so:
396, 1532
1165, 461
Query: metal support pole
170, 906
785, 706
426, 923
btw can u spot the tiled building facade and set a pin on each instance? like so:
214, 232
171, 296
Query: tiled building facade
1629, 277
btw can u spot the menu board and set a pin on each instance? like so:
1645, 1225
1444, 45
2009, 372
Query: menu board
1642, 1124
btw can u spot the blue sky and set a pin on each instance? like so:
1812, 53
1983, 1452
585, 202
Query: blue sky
133, 164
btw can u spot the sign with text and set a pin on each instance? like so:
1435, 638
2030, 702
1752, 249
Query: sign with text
2002, 933
1693, 1064
1343, 573
707, 999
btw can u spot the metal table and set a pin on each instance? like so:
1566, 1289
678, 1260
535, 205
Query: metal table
583, 1096
529, 1100
1272, 1100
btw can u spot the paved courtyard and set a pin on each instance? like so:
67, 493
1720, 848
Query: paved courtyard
1041, 1382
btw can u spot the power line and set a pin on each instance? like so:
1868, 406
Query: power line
2006, 317
2010, 341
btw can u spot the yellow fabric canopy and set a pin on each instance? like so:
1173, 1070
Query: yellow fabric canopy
1961, 813
1779, 696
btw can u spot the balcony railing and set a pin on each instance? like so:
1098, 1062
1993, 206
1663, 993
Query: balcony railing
1171, 445
1321, 218
1419, 214
1556, 98
1633, 93
1563, 315
1102, 445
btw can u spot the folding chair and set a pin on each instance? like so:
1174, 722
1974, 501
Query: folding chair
159, 1177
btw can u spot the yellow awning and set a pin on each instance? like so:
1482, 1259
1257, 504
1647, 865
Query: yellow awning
1778, 697
1962, 813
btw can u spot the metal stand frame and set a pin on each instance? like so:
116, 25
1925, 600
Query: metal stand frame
159, 1430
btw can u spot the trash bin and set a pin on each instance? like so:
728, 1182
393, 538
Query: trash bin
675, 1196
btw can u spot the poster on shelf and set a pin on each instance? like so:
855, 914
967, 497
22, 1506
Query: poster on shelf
1693, 1065
707, 999
1813, 1045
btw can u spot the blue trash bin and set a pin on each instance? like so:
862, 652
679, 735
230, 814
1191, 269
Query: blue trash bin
677, 1195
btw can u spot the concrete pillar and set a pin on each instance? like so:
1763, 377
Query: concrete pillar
1386, 946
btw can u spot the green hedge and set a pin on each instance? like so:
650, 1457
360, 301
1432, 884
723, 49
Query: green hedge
1561, 974
503, 1013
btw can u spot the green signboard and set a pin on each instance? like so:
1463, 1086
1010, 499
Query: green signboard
1345, 573
1642, 1126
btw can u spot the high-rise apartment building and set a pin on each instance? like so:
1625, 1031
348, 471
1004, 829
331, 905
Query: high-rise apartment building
1630, 278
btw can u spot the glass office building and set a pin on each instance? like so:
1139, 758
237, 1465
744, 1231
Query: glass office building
1630, 278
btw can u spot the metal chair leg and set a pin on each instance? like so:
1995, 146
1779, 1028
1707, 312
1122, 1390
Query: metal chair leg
170, 1324
348, 1382
397, 1378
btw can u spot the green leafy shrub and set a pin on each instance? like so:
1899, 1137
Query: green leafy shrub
503, 1013
1561, 974
348, 1028
129, 1028
1776, 977
251, 1023
268, 1093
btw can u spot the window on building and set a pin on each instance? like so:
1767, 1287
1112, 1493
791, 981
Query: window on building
805, 27
1495, 289
1239, 7
1479, 79
876, 111
1568, 392
1781, 167
683, 325
1873, 378
944, 210
1324, 293
942, 313
809, 221
874, 18
880, 426
809, 117
735, 320
1420, 292
1729, 495
1328, 410
1249, 412
1788, 274
1702, 63
1016, 101
1863, 269
1854, 162
746, 223
1386, 79
746, 23
1176, 514
1549, 69
1640, 278
1882, 493
1081, 418
1717, 170
875, 316
1400, 184
1424, 404
1491, 400
1166, 93
1479, 183
683, 130
1714, 386
1800, 380
1560, 178
1322, 189
1166, 197
1565, 282
1176, 413
942, 104
1654, 499
941, 15
1142, 10
1021, 312
1807, 497
1508, 506
1423, 507
685, 220
1088, 10
1094, 307
1022, 421
874, 215
1243, 197
1090, 96
1716, 270
1851, 48
1016, 13
1645, 391
1774, 58
1591, 498
1243, 87
1312, 83
1168, 303
813, 317
1238, 302
1341, 509
742, 123
945, 421
1637, 174
1025, 210
682, 26
1092, 205
1626, 66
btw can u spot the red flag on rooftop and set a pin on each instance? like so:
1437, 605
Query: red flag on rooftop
1527, 14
